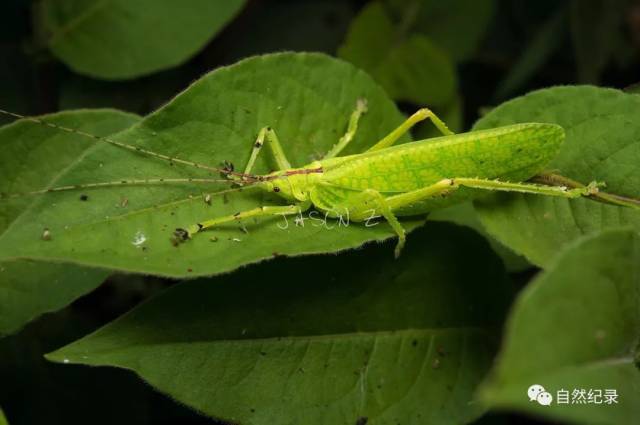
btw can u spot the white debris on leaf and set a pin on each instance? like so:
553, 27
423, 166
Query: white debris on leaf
139, 239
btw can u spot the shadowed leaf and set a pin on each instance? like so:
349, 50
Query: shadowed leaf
325, 339
120, 39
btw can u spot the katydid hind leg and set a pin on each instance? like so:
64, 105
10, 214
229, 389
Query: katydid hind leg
531, 188
444, 186
388, 206
609, 198
591, 191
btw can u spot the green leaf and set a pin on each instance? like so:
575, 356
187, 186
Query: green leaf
409, 66
326, 340
602, 144
577, 326
121, 39
306, 98
457, 33
33, 156
3, 419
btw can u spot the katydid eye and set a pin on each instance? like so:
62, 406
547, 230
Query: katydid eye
276, 189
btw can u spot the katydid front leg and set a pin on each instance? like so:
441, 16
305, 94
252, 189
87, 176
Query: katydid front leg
268, 135
265, 135
182, 235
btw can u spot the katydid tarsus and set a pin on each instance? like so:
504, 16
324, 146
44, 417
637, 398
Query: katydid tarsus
389, 181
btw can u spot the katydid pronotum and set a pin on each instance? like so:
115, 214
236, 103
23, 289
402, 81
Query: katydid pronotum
390, 181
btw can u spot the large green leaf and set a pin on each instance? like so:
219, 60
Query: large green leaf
577, 326
119, 39
603, 144
409, 66
306, 98
32, 157
326, 340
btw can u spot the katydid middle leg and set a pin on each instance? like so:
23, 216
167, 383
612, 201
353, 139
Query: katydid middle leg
420, 115
352, 128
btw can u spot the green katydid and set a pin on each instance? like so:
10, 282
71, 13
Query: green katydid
394, 181
413, 178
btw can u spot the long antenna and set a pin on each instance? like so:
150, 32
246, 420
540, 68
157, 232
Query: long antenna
132, 182
170, 159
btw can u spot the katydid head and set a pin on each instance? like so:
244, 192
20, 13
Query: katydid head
290, 188
293, 184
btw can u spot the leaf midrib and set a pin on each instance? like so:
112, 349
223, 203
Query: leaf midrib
346, 335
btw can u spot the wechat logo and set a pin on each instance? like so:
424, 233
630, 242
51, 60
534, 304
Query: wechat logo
538, 393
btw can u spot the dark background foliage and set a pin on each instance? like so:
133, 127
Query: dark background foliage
525, 45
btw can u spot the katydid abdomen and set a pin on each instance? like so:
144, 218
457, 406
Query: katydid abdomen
513, 153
